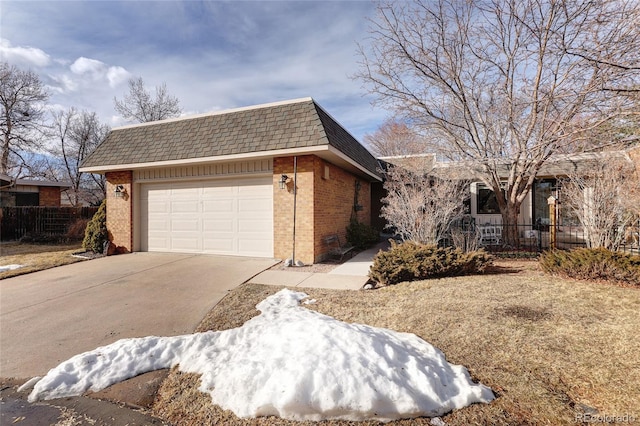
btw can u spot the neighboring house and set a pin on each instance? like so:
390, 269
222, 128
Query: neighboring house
223, 182
482, 205
29, 192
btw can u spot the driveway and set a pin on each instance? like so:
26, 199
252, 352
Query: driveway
47, 317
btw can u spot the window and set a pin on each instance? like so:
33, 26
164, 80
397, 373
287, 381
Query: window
27, 199
487, 203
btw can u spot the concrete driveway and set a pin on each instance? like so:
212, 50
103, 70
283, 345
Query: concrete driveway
47, 317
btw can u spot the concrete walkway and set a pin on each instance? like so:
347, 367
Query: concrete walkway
351, 275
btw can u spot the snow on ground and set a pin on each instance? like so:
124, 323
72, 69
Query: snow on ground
10, 267
290, 362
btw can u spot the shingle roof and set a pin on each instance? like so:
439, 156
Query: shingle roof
287, 125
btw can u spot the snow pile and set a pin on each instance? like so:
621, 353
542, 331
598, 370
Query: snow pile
10, 267
289, 362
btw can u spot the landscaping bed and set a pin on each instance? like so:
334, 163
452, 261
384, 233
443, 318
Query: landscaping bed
553, 350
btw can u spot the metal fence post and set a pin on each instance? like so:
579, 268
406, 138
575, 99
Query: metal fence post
553, 202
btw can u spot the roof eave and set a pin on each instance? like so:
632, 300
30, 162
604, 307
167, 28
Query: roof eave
326, 152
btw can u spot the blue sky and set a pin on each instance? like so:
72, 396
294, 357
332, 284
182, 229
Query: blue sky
212, 55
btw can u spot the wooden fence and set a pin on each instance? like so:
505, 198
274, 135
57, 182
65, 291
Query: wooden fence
16, 222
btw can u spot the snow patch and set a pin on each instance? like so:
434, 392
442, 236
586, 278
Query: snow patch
10, 267
290, 362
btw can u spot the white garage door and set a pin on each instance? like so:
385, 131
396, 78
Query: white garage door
220, 217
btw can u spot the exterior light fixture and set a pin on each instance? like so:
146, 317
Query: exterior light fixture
119, 192
283, 181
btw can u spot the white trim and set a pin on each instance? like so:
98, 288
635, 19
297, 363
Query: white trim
213, 113
318, 149
354, 163
204, 160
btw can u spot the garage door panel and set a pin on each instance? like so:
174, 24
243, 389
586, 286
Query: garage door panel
253, 205
159, 206
185, 244
223, 217
223, 205
219, 244
254, 225
158, 243
212, 190
184, 225
220, 225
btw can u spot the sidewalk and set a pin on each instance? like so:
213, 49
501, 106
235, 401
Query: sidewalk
351, 275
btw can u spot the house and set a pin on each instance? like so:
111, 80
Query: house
30, 192
482, 204
223, 182
481, 208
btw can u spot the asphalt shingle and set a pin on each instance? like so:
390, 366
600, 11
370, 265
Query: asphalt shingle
297, 124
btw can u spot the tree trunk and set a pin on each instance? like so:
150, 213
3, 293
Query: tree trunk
510, 234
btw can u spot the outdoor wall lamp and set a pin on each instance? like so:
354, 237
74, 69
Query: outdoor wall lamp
120, 191
283, 181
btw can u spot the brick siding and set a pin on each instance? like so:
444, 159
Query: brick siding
334, 204
324, 206
120, 210
49, 196
283, 209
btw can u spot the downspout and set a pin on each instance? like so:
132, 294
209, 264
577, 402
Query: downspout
293, 261
295, 202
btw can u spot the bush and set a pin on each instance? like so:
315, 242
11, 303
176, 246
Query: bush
411, 261
360, 235
593, 264
76, 230
96, 233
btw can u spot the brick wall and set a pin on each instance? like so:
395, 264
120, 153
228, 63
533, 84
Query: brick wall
334, 199
120, 210
283, 209
325, 201
49, 196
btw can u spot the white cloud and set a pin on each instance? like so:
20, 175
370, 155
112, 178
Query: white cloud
98, 70
117, 75
84, 65
29, 56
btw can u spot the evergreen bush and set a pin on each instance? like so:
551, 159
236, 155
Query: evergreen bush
593, 264
96, 233
360, 235
410, 261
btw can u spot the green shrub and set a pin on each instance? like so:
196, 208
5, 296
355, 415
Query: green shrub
593, 264
411, 261
360, 235
96, 233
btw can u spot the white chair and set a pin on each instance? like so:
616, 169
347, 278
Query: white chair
490, 234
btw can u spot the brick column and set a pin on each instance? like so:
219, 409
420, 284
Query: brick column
283, 209
120, 210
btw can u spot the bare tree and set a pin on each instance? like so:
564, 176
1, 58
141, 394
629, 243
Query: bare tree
421, 207
503, 84
77, 135
394, 138
139, 105
605, 201
22, 99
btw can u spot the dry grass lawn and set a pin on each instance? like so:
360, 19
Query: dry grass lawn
35, 257
550, 348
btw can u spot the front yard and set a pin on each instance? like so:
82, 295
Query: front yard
35, 257
553, 350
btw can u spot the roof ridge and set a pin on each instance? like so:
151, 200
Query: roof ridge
219, 112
